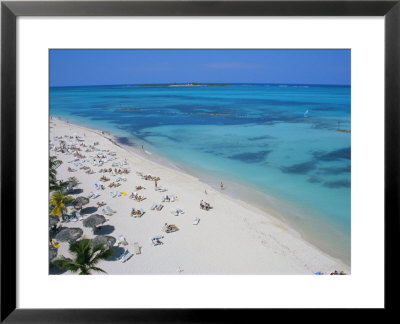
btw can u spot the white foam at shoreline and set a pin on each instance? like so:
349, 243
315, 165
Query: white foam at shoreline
251, 219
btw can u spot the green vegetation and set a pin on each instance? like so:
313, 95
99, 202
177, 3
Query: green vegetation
53, 165
183, 84
86, 257
58, 201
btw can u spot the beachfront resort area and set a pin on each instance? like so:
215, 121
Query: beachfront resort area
115, 211
200, 162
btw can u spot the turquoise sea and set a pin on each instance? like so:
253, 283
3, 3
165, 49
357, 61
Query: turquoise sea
256, 138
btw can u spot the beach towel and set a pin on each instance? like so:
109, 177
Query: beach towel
136, 248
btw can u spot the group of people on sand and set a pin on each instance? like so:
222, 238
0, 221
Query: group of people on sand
135, 196
140, 187
170, 228
101, 204
135, 212
149, 177
113, 184
338, 273
119, 171
204, 205
79, 155
105, 170
104, 178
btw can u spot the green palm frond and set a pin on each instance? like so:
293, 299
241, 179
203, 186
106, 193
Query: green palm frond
86, 257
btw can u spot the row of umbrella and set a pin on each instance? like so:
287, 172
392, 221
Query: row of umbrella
73, 233
67, 234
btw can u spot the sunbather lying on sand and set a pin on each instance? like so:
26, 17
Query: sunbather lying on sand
204, 205
135, 212
170, 228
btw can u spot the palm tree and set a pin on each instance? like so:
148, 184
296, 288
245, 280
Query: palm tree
86, 257
53, 165
58, 201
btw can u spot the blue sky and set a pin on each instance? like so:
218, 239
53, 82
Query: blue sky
107, 67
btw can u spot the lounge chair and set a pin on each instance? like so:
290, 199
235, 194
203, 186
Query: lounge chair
126, 257
73, 219
136, 248
121, 255
174, 211
162, 198
159, 207
154, 206
110, 210
121, 240
78, 216
96, 186
95, 196
112, 194
196, 221
155, 238
118, 193
171, 198
106, 213
180, 211
90, 195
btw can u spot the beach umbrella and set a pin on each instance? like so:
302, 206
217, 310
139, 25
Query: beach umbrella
52, 252
94, 220
104, 239
80, 201
69, 183
53, 221
69, 234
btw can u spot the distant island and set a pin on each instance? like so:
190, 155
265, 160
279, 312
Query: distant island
191, 84
128, 109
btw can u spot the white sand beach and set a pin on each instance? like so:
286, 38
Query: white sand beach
232, 237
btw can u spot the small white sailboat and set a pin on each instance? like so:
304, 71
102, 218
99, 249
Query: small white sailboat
306, 114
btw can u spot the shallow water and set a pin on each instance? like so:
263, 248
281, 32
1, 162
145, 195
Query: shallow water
249, 136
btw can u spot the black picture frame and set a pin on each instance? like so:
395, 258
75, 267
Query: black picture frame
10, 10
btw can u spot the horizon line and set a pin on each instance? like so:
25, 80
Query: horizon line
171, 83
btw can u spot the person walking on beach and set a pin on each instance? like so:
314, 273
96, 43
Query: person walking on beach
155, 183
222, 185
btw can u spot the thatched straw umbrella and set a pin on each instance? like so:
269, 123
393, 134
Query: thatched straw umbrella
52, 252
93, 221
70, 183
53, 221
79, 202
69, 234
104, 239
